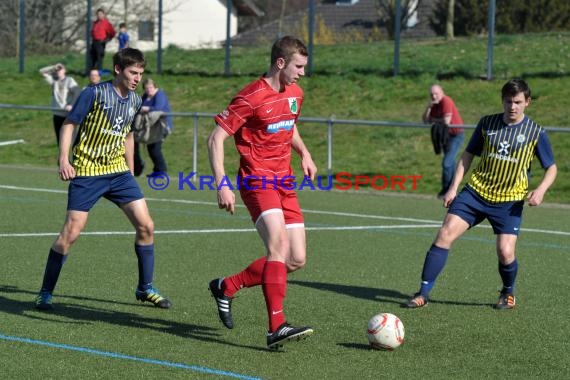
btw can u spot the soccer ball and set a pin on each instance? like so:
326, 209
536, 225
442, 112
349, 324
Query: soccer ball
385, 331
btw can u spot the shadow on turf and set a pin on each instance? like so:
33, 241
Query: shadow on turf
356, 346
84, 315
376, 294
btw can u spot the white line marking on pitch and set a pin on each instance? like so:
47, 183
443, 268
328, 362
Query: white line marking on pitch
334, 213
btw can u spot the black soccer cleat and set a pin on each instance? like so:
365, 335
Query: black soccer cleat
287, 333
223, 302
507, 301
416, 302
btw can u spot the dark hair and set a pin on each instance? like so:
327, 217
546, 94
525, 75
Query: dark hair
514, 87
122, 25
100, 10
285, 47
128, 57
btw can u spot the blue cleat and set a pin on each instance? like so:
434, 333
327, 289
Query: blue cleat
43, 301
153, 296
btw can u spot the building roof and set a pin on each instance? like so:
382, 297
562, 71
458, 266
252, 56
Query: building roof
247, 8
357, 19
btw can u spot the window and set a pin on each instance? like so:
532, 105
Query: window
413, 19
346, 2
146, 30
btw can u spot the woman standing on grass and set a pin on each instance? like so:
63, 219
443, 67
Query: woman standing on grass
154, 102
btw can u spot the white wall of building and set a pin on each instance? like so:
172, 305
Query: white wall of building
198, 23
188, 24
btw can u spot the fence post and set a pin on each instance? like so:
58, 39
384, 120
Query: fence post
159, 49
397, 32
88, 62
228, 38
329, 145
311, 29
195, 149
490, 41
22, 35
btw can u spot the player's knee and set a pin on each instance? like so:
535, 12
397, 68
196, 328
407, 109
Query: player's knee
445, 237
294, 264
279, 248
69, 235
506, 255
146, 230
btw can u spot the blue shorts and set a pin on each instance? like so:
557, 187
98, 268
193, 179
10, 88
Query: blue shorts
505, 217
119, 188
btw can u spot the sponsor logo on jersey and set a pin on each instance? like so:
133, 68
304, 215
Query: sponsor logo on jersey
503, 157
504, 150
116, 129
284, 125
293, 105
224, 114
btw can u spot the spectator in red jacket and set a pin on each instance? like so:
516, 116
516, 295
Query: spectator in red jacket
101, 32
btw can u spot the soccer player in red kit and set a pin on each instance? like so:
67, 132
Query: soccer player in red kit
262, 119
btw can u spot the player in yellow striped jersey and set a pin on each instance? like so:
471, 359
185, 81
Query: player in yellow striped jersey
102, 166
506, 144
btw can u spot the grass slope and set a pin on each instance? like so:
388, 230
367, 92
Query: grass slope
349, 82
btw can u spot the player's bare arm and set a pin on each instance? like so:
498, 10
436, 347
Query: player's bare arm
130, 152
66, 169
226, 197
307, 164
536, 196
462, 167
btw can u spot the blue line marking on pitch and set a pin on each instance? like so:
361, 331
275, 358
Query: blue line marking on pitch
128, 357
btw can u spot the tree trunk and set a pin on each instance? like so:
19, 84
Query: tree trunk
449, 34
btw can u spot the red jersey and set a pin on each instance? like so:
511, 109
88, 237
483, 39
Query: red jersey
262, 122
447, 106
102, 30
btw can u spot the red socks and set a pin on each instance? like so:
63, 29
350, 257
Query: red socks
250, 276
272, 275
274, 284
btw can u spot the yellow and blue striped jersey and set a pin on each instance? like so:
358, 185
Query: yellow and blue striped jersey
104, 118
506, 151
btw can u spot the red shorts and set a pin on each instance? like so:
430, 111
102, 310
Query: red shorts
260, 200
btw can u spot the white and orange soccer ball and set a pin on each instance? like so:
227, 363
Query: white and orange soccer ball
385, 331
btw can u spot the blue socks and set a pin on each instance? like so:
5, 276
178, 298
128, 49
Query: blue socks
436, 258
508, 275
54, 264
435, 261
145, 257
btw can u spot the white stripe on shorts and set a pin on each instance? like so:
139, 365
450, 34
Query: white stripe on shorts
295, 225
267, 212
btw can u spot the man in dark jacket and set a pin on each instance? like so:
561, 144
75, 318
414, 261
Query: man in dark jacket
441, 109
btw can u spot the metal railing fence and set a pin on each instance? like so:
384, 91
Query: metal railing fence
329, 122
